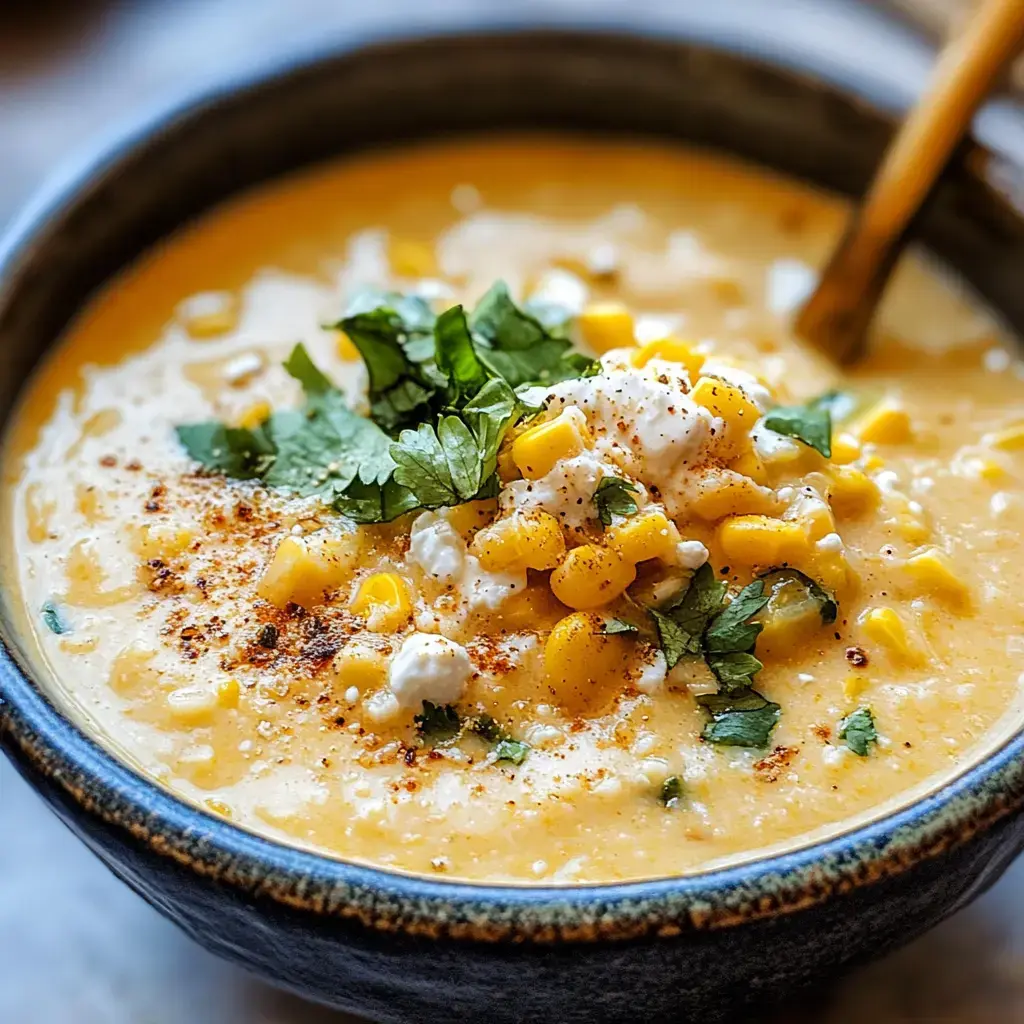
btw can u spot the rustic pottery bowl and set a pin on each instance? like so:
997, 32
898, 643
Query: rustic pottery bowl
399, 948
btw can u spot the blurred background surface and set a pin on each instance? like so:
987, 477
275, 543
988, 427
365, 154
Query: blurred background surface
77, 947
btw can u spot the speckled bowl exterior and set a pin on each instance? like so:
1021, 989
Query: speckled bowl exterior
397, 948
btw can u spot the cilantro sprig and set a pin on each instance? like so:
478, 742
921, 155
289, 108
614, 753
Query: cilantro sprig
699, 621
858, 731
442, 397
615, 497
811, 422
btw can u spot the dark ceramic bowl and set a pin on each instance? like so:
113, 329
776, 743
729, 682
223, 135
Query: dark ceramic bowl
398, 948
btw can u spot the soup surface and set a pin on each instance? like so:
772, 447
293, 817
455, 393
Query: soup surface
527, 616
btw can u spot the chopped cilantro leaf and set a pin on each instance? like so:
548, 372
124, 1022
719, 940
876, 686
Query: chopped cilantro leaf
456, 355
741, 719
730, 631
511, 750
503, 746
614, 497
682, 621
810, 423
236, 452
614, 627
516, 346
671, 791
53, 620
399, 387
858, 730
438, 723
734, 671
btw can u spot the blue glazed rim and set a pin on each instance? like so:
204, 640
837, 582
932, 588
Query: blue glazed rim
42, 742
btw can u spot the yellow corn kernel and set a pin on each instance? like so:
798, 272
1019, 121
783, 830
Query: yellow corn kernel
884, 627
911, 529
523, 540
228, 692
1010, 439
989, 470
851, 492
671, 350
761, 540
535, 451
932, 571
219, 807
209, 314
584, 667
163, 541
606, 325
650, 535
854, 685
347, 349
471, 515
360, 665
873, 463
731, 404
752, 466
591, 576
845, 449
252, 416
832, 571
303, 569
383, 600
411, 258
885, 423
728, 493
192, 705
813, 514
531, 609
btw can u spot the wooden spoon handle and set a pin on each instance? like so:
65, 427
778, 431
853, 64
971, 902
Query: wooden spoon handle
837, 316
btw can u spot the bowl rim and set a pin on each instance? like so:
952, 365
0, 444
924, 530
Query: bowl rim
59, 757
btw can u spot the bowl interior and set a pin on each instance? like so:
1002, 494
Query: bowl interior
111, 208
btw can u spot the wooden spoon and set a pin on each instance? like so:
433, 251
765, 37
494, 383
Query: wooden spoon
837, 316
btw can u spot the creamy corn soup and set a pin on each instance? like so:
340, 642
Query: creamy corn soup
471, 510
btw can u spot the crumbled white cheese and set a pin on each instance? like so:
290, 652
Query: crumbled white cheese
436, 547
242, 368
652, 674
691, 554
487, 591
831, 543
428, 667
643, 422
768, 444
566, 492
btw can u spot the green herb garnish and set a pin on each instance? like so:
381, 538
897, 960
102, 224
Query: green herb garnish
441, 392
682, 621
438, 723
616, 627
53, 620
730, 637
810, 423
503, 746
614, 497
743, 718
671, 791
858, 731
